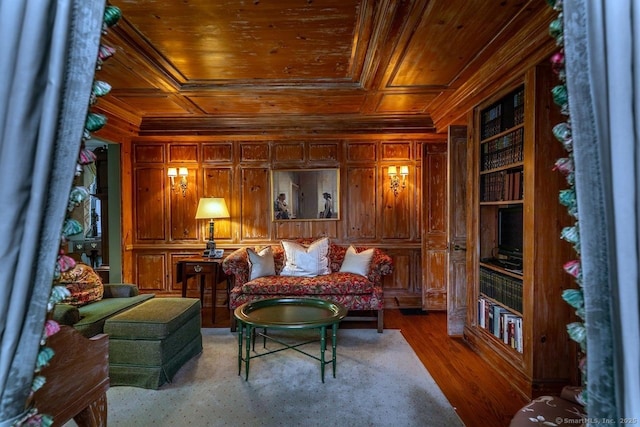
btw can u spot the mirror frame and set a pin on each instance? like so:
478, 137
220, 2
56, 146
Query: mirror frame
294, 183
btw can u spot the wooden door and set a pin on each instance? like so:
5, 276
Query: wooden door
457, 231
434, 233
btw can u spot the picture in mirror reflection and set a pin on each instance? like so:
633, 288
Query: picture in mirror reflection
305, 194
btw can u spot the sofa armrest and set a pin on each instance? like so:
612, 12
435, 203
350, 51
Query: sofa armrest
236, 265
120, 290
65, 314
381, 265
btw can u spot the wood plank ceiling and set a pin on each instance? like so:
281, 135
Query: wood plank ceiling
200, 65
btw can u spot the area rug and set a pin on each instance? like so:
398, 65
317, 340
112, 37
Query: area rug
379, 382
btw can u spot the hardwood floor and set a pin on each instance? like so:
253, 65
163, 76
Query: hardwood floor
481, 396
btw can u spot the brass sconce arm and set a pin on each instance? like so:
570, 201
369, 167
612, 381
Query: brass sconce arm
183, 173
398, 181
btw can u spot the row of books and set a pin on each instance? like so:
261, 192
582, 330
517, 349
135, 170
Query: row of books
518, 115
504, 185
518, 107
501, 116
500, 322
502, 288
490, 114
503, 151
512, 189
491, 127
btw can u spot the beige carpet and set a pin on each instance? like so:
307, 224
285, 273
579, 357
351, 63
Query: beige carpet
379, 382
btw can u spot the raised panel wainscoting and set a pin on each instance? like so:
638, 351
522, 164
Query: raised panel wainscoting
240, 171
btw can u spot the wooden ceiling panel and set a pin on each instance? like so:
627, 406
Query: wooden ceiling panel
404, 103
154, 104
280, 103
248, 40
204, 66
449, 36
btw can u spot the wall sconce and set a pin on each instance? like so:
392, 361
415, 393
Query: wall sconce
396, 182
211, 208
183, 173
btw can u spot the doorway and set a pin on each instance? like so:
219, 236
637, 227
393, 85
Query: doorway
99, 244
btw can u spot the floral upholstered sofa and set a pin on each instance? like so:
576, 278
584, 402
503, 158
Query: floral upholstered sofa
351, 276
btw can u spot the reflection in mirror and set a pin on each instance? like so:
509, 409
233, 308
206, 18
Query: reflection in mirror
305, 194
91, 246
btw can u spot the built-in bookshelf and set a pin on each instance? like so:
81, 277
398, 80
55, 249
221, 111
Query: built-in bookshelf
501, 166
502, 149
517, 318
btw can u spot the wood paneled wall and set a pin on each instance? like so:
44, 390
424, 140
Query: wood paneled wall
164, 228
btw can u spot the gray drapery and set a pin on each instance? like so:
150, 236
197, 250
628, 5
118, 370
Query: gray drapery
602, 49
47, 64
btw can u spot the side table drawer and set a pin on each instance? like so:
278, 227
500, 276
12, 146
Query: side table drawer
198, 268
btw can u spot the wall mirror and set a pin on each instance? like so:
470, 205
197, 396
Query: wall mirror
305, 194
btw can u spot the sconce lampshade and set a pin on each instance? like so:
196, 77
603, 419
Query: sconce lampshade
404, 170
183, 172
172, 172
212, 207
393, 170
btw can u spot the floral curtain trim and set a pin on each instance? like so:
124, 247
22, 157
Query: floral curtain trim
567, 197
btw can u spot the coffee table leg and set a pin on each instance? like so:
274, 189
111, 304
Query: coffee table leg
240, 330
334, 330
323, 346
248, 351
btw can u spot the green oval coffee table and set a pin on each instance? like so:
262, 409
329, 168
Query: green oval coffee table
288, 313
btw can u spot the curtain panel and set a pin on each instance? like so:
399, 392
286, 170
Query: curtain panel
47, 64
602, 51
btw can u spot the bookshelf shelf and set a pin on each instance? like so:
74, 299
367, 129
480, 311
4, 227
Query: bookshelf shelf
503, 133
498, 343
501, 270
516, 165
517, 318
501, 203
493, 301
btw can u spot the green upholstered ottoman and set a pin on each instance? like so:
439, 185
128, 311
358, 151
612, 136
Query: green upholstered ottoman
149, 343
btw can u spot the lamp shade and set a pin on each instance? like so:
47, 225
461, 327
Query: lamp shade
393, 170
212, 207
404, 170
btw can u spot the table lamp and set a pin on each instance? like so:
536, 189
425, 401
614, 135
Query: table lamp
211, 208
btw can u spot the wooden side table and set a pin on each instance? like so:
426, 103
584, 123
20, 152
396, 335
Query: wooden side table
201, 267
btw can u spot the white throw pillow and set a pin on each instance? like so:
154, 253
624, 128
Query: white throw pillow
261, 263
355, 262
307, 262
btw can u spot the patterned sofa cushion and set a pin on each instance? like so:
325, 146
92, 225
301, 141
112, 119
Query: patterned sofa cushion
372, 301
329, 284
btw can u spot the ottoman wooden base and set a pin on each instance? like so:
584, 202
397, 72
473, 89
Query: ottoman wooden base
151, 342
